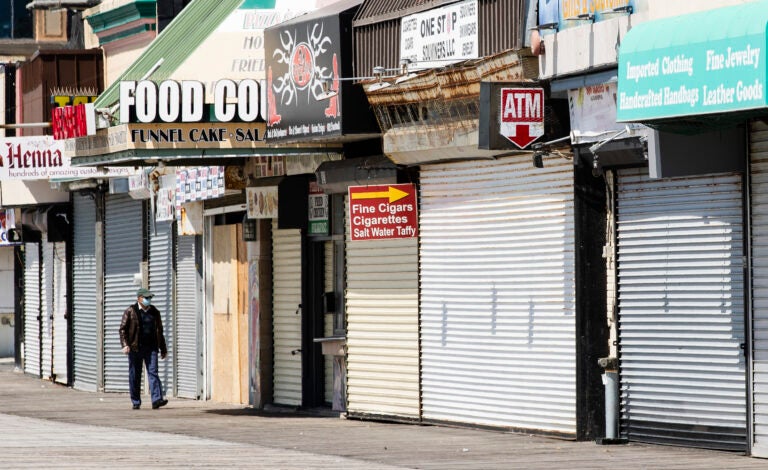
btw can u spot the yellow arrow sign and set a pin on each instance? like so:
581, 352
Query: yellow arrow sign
393, 194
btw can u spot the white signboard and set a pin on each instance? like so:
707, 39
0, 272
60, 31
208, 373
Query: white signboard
262, 202
440, 36
593, 112
41, 158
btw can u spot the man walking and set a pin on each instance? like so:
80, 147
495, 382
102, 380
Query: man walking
141, 335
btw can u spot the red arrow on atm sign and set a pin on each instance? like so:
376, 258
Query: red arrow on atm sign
521, 117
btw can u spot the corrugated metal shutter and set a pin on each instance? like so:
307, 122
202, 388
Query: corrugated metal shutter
161, 284
286, 259
46, 309
498, 294
84, 322
328, 319
382, 306
32, 308
123, 255
681, 309
759, 209
188, 318
60, 322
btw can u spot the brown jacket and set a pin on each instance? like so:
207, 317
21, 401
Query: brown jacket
130, 328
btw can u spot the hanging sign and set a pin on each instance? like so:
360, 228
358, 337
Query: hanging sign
522, 115
383, 211
262, 202
318, 210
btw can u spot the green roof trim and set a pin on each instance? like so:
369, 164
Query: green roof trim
174, 45
124, 14
252, 4
128, 33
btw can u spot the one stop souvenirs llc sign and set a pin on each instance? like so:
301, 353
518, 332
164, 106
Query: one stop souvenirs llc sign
382, 211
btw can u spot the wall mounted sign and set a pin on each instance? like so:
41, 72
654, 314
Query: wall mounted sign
440, 36
521, 117
382, 212
262, 202
303, 61
572, 13
318, 211
42, 157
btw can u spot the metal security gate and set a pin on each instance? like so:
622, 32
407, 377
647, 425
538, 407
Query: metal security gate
60, 314
32, 314
46, 309
681, 309
759, 229
123, 245
382, 308
497, 274
286, 288
188, 297
84, 321
161, 284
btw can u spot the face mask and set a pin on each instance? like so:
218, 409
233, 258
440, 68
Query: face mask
145, 302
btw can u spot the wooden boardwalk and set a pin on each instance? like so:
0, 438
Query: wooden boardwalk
45, 425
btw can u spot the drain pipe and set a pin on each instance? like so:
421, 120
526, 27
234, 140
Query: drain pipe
611, 384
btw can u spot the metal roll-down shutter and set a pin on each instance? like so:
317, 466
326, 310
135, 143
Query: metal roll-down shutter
84, 321
123, 253
681, 309
497, 276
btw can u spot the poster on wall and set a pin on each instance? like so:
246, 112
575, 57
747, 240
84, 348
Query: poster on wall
303, 66
318, 210
8, 234
262, 202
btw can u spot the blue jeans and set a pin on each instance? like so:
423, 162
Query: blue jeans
149, 358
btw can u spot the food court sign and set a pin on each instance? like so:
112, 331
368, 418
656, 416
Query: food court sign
690, 73
175, 113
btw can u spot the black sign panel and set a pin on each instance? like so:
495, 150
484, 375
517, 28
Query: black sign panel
303, 87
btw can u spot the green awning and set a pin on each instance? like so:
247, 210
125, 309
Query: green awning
174, 45
700, 64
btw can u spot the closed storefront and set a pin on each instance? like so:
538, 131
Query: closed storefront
46, 308
759, 260
188, 332
32, 313
84, 295
286, 297
383, 328
123, 254
161, 283
681, 309
497, 279
60, 314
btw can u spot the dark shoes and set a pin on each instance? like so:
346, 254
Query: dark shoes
157, 404
136, 407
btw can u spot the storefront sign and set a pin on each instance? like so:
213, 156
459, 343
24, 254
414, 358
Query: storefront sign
440, 36
691, 72
382, 212
69, 122
522, 115
571, 13
42, 157
593, 113
318, 210
262, 202
303, 62
170, 101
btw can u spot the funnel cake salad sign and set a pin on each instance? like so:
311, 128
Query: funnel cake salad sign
303, 71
